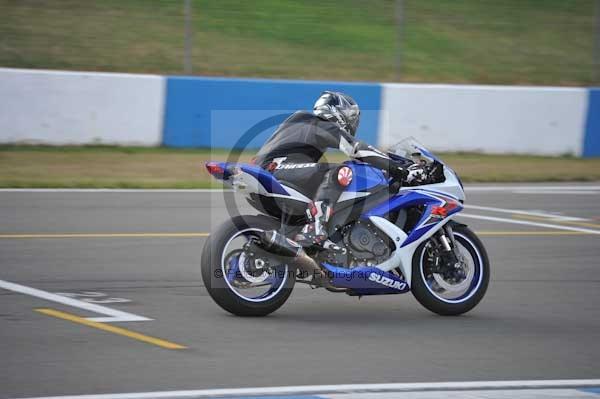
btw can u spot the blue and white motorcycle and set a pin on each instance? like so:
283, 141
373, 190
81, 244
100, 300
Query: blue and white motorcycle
383, 239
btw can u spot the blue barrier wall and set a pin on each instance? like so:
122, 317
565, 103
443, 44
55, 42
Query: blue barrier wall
591, 138
217, 112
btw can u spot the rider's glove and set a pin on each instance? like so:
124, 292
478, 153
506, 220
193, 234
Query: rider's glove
416, 174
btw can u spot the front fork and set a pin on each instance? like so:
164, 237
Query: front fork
448, 250
448, 235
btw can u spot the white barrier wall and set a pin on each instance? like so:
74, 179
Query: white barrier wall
53, 107
493, 119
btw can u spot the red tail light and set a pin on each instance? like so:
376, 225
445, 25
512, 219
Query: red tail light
214, 169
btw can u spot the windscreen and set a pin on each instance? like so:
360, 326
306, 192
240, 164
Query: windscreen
412, 149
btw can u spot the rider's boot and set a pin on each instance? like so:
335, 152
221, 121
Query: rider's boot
315, 231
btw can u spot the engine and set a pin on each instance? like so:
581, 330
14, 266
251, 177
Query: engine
364, 244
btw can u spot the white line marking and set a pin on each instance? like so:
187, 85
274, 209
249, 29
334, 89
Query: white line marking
113, 314
564, 189
548, 192
111, 190
529, 213
93, 297
534, 393
348, 388
527, 223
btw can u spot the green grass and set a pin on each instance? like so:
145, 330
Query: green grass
479, 41
135, 167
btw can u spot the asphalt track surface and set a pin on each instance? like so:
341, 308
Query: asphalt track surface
139, 252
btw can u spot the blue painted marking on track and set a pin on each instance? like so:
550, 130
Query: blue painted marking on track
591, 140
595, 390
216, 112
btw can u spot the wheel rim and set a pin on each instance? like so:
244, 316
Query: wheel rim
251, 284
451, 291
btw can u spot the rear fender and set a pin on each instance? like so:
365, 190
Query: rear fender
253, 180
246, 176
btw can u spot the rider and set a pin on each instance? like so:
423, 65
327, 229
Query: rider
293, 152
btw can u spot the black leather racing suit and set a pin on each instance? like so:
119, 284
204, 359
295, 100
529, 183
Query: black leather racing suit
293, 152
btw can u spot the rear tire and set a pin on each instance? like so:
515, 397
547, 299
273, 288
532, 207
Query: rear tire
453, 307
215, 281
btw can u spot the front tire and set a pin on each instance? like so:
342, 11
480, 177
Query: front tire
429, 289
215, 273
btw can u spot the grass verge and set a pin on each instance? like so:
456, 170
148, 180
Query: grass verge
500, 41
134, 167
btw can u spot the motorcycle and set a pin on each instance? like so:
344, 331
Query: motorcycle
384, 238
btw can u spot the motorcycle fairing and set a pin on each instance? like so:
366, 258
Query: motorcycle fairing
364, 177
256, 180
253, 178
430, 200
451, 187
365, 280
365, 180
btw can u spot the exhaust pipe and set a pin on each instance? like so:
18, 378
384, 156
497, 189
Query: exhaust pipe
276, 243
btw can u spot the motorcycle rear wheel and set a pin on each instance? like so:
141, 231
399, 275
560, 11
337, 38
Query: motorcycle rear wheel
217, 278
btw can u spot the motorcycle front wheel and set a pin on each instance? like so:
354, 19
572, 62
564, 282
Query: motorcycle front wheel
445, 293
237, 281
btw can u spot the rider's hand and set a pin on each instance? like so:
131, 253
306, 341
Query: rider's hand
416, 174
